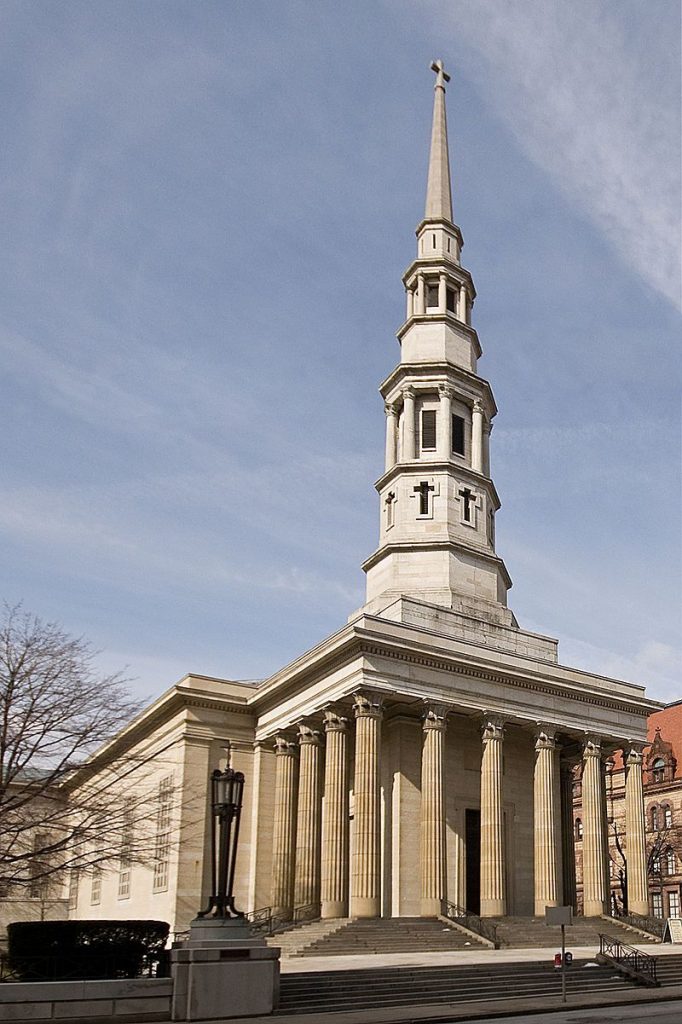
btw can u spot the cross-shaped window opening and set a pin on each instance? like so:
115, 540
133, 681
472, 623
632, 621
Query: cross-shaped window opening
423, 491
390, 508
467, 504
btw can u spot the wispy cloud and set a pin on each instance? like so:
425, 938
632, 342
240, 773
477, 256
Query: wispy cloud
586, 104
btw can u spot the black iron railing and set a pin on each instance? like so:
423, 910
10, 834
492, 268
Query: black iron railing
265, 922
651, 925
472, 922
638, 965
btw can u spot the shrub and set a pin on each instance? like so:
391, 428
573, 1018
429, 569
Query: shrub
61, 950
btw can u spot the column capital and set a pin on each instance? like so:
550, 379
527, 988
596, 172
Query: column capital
633, 753
285, 747
390, 409
478, 405
308, 734
368, 705
407, 392
545, 737
492, 728
434, 716
335, 722
446, 391
592, 746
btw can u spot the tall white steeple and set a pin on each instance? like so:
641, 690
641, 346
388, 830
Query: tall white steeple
437, 499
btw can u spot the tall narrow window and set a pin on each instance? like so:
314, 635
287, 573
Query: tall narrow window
657, 904
654, 818
658, 770
96, 886
432, 296
38, 866
667, 817
428, 429
125, 856
670, 861
433, 238
491, 527
163, 825
457, 434
451, 300
674, 904
73, 889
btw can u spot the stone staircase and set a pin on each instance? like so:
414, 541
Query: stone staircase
295, 940
532, 932
360, 989
374, 935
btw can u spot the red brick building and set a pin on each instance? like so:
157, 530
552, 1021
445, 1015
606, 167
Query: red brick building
663, 810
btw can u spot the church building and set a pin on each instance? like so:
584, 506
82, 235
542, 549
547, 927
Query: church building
424, 753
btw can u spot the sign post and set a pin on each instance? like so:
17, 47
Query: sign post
561, 916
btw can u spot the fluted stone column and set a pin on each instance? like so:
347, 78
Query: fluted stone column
487, 431
567, 833
477, 436
493, 880
420, 296
442, 293
433, 850
546, 815
335, 818
445, 415
595, 881
391, 434
463, 304
408, 424
366, 878
309, 825
410, 303
284, 826
635, 834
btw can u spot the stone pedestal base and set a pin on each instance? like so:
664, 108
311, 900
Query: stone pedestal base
222, 972
493, 908
334, 908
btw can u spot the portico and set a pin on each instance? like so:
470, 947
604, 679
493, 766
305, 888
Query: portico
421, 739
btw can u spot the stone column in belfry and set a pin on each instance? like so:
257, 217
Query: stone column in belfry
284, 826
566, 767
546, 817
594, 837
493, 875
433, 850
335, 818
309, 827
635, 836
366, 869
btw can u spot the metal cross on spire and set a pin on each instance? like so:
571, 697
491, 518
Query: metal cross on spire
441, 74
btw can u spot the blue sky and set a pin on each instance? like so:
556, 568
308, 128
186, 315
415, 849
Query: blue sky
206, 210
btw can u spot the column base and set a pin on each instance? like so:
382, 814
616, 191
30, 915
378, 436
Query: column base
494, 908
593, 908
540, 906
362, 906
334, 908
430, 907
640, 907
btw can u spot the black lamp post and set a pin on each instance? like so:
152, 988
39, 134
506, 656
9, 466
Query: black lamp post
227, 790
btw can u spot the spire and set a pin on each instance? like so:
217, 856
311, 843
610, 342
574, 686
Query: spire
438, 194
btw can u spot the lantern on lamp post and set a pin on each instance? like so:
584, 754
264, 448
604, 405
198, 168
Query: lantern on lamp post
227, 790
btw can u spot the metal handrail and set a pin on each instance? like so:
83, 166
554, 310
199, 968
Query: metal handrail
641, 966
265, 922
472, 922
652, 925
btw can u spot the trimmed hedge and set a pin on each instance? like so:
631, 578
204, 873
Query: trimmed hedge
63, 950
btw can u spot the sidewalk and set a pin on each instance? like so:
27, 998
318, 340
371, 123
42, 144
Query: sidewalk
460, 957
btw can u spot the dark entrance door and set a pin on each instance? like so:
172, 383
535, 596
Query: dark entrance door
472, 840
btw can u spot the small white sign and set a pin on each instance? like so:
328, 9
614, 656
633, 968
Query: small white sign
673, 930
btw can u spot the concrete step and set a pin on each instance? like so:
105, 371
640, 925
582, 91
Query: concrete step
348, 990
